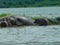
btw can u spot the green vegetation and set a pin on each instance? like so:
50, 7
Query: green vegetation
3, 15
28, 3
37, 17
51, 21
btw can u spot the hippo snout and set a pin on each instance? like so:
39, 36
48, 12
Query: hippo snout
3, 24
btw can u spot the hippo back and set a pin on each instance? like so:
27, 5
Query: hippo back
25, 21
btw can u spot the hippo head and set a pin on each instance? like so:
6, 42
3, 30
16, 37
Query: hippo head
12, 21
41, 22
3, 24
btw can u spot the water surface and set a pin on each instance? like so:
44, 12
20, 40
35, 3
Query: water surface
31, 35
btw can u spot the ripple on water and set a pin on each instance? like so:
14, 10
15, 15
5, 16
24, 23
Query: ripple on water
30, 35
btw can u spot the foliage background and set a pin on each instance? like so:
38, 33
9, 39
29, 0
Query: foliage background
28, 3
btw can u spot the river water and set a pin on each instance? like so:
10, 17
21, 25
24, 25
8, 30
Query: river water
31, 35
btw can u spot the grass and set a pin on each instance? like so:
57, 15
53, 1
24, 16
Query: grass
37, 17
3, 15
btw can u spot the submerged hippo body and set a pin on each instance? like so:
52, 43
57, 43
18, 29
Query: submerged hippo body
15, 21
25, 21
41, 22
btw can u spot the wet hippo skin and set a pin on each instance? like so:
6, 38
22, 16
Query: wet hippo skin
41, 22
3, 24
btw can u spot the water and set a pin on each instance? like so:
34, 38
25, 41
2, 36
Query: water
44, 11
31, 35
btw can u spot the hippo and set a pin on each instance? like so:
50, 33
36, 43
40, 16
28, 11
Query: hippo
18, 21
24, 21
41, 22
12, 21
3, 24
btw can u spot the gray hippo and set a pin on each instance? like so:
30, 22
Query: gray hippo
24, 21
41, 22
11, 21
15, 21
3, 24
